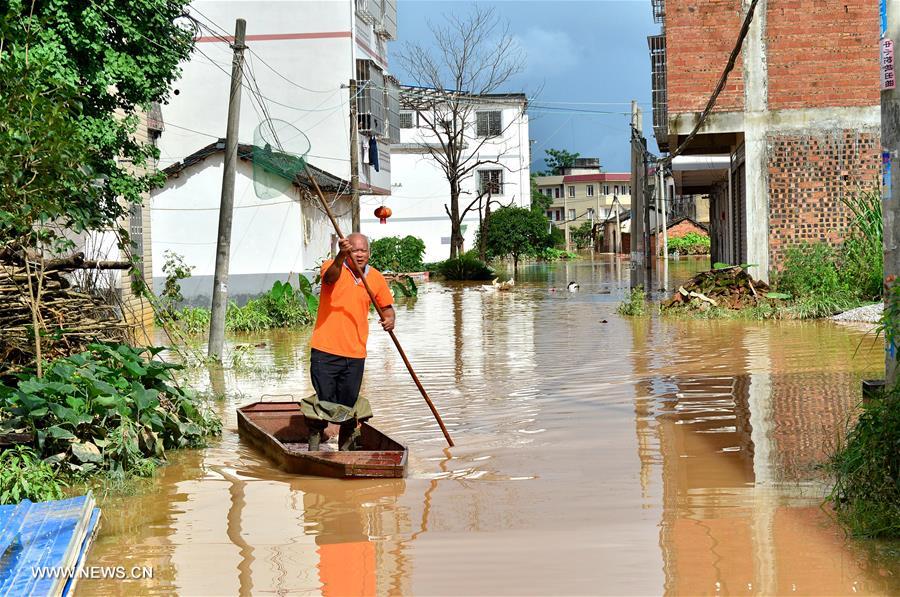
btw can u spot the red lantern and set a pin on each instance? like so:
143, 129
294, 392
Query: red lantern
383, 213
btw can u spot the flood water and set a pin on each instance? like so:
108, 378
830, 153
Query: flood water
595, 455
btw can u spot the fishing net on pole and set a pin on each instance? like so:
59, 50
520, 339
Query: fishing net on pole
279, 156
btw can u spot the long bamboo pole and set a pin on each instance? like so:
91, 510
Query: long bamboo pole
359, 274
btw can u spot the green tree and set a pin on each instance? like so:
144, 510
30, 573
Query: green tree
80, 71
516, 232
559, 159
396, 254
581, 235
539, 201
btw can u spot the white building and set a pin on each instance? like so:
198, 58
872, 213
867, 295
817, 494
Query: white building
271, 239
301, 57
420, 190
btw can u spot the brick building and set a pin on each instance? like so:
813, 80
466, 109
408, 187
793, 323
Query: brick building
796, 129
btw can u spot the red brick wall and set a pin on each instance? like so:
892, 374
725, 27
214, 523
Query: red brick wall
823, 53
700, 35
808, 177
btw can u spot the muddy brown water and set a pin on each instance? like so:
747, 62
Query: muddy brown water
595, 455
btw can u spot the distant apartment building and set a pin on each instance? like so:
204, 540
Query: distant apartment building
795, 131
420, 193
583, 193
300, 59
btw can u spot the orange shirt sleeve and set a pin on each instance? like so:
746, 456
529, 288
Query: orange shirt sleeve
382, 292
324, 269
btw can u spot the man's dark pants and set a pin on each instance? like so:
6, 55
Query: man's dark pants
336, 379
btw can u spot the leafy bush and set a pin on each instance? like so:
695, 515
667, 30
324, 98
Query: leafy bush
396, 254
811, 270
554, 254
108, 409
23, 476
635, 304
466, 267
193, 320
404, 286
866, 493
282, 307
691, 243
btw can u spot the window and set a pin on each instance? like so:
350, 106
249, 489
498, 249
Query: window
488, 124
571, 191
556, 192
590, 190
558, 215
590, 213
548, 192
571, 214
626, 189
549, 214
615, 189
490, 181
406, 120
606, 189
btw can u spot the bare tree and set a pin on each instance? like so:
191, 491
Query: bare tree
472, 56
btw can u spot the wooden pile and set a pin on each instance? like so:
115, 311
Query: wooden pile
729, 288
70, 318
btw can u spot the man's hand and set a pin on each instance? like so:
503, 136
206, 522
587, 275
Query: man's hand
389, 316
345, 248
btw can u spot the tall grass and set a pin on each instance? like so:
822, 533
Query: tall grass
862, 258
866, 469
635, 304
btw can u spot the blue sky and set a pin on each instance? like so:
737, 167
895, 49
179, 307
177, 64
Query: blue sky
590, 54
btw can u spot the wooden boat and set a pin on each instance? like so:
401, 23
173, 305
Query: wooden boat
279, 430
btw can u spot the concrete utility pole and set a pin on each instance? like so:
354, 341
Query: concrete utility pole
226, 211
890, 143
637, 188
661, 203
354, 160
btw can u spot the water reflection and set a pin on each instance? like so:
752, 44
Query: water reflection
595, 455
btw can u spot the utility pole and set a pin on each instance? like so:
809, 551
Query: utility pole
638, 172
226, 208
890, 143
566, 214
661, 202
354, 159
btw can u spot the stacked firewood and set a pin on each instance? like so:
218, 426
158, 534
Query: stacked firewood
730, 288
70, 318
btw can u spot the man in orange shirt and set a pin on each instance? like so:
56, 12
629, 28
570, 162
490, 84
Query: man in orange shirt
338, 345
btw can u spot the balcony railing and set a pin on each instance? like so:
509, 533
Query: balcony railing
659, 10
657, 45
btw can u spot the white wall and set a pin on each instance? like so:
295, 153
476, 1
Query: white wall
315, 46
270, 237
420, 190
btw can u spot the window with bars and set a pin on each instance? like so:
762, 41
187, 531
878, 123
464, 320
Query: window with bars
407, 119
136, 232
488, 124
571, 191
590, 190
491, 181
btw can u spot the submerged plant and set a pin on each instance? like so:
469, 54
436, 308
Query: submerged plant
635, 304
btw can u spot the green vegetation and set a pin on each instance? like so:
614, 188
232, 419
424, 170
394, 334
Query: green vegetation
405, 287
175, 270
466, 267
539, 201
558, 160
23, 476
395, 254
109, 410
515, 232
691, 243
193, 320
866, 469
282, 307
581, 235
635, 304
554, 254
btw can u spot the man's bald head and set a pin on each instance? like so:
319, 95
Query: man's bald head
358, 237
359, 249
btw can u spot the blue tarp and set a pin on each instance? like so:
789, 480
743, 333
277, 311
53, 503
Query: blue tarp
43, 535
